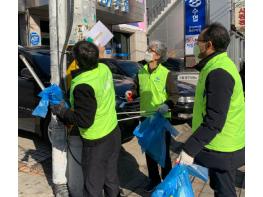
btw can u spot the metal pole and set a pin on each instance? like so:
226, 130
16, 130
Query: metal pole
53, 42
207, 8
184, 19
56, 129
31, 70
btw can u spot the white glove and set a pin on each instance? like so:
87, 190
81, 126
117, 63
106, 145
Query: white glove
184, 158
128, 95
163, 108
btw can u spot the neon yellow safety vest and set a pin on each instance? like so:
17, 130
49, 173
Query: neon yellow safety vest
232, 136
100, 79
152, 89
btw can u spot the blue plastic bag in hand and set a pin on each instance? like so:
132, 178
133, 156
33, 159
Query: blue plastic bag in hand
52, 95
176, 184
151, 136
42, 108
198, 171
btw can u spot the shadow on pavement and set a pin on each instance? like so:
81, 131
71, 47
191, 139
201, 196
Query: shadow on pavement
131, 178
37, 160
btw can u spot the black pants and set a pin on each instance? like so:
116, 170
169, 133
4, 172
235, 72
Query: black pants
153, 165
223, 182
222, 169
99, 165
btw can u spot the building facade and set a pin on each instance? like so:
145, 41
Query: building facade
127, 43
166, 22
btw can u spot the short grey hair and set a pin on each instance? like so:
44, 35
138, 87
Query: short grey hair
161, 49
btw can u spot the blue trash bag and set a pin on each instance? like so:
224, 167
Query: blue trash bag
176, 184
42, 108
52, 95
198, 171
151, 136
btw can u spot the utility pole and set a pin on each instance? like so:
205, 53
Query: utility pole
57, 132
65, 170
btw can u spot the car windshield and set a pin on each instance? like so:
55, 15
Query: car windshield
129, 67
43, 62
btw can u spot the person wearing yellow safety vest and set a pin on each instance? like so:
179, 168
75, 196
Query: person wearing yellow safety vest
218, 140
92, 99
156, 87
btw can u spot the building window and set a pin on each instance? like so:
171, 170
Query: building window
44, 27
121, 45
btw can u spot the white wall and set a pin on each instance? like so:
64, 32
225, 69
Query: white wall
171, 30
138, 45
220, 11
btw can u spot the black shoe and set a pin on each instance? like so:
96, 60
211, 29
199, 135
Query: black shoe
150, 187
60, 190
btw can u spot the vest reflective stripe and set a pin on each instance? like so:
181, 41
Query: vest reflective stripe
100, 79
232, 136
152, 88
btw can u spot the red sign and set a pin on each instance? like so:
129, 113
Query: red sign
240, 18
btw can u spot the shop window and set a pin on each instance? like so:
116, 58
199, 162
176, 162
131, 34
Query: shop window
44, 26
121, 45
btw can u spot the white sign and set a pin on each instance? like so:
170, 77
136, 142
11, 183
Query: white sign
188, 77
195, 3
100, 34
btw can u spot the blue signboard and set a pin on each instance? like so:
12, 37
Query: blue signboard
106, 3
122, 5
116, 4
108, 51
125, 6
121, 54
194, 16
34, 39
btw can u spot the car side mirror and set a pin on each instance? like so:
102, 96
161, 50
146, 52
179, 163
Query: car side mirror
26, 73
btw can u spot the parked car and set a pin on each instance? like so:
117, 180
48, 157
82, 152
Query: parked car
123, 67
174, 64
28, 89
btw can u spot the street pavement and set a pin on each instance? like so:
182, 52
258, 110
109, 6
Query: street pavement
34, 168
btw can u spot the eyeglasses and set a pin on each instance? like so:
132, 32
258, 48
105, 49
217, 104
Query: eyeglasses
151, 50
200, 40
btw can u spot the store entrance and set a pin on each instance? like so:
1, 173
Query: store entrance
121, 45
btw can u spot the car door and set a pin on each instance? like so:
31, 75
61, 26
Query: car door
27, 98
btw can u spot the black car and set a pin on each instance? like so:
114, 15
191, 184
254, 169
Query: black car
28, 89
122, 67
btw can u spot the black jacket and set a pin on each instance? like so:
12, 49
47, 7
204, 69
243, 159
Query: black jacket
85, 106
219, 87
